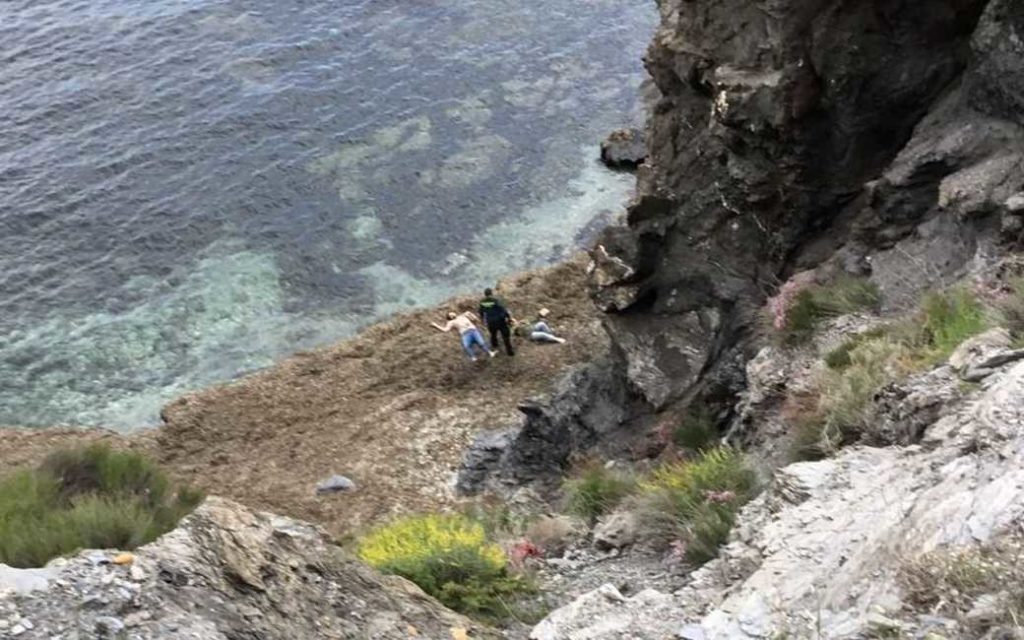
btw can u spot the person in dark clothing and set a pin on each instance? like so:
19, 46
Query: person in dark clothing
498, 320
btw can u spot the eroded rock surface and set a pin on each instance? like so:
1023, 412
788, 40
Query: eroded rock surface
820, 552
226, 573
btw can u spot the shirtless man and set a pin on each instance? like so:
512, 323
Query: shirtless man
468, 333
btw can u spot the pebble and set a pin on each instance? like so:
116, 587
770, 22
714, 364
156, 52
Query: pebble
692, 632
109, 625
335, 484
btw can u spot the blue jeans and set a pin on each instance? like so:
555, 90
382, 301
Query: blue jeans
470, 338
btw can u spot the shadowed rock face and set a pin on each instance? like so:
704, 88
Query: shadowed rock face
229, 572
776, 124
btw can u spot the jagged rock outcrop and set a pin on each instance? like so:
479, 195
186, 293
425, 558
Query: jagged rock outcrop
878, 139
227, 573
882, 137
624, 149
587, 407
820, 553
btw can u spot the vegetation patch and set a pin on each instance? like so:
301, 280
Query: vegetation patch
596, 489
839, 358
949, 318
988, 580
800, 317
692, 505
450, 557
841, 410
1011, 310
697, 431
90, 497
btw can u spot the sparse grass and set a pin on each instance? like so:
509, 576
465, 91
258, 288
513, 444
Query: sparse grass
949, 582
450, 557
596, 489
499, 520
552, 534
949, 318
1011, 310
819, 302
694, 503
842, 410
839, 358
92, 497
860, 367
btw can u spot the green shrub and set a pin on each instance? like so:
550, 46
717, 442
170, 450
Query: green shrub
842, 410
99, 469
86, 498
819, 302
697, 431
695, 502
596, 490
864, 363
949, 318
450, 557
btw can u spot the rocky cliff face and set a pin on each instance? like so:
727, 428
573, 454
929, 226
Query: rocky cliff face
792, 133
881, 139
225, 573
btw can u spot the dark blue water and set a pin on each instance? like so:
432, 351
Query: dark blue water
191, 189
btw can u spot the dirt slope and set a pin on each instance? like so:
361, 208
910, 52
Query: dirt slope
392, 409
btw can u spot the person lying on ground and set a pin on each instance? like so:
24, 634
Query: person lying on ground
498, 320
542, 331
469, 335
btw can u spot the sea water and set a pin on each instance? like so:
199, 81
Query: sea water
193, 189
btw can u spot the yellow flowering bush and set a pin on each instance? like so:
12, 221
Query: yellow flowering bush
450, 557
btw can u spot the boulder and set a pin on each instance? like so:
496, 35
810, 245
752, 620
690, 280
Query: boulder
229, 572
24, 580
624, 149
334, 484
980, 356
616, 530
606, 613
481, 459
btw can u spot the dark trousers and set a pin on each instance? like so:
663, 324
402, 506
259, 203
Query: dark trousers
502, 328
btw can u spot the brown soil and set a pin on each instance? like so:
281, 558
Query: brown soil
392, 408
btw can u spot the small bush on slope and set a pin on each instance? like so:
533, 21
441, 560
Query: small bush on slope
949, 318
697, 431
86, 498
450, 557
596, 490
694, 503
818, 302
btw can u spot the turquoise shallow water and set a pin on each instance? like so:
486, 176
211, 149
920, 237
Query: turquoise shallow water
192, 189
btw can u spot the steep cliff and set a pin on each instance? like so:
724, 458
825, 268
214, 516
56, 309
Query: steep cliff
878, 139
795, 132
